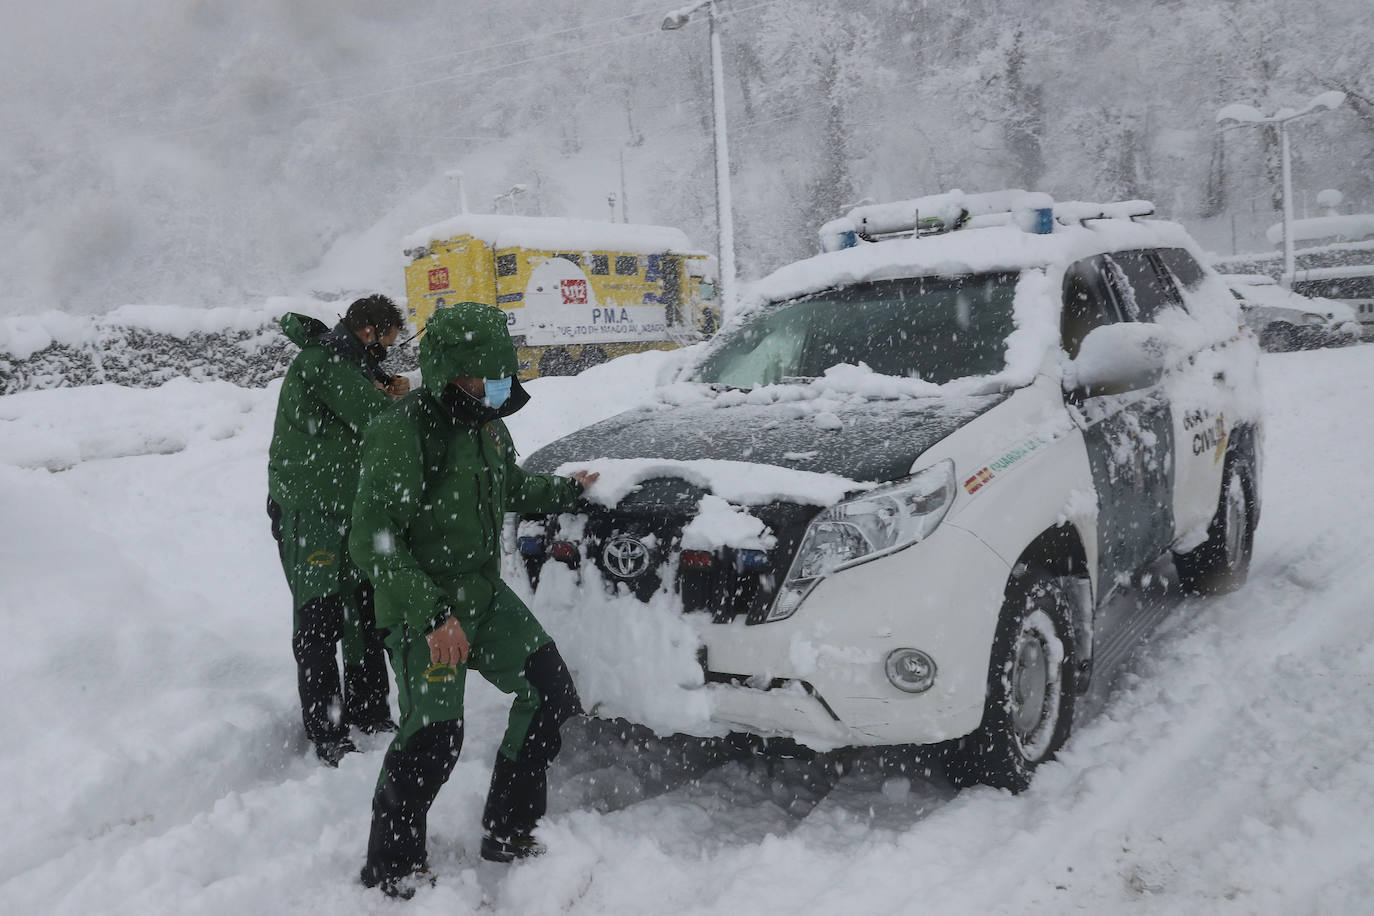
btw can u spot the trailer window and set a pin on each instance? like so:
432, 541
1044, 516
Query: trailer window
1337, 287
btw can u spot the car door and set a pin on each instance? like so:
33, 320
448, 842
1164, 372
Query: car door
1202, 393
1129, 439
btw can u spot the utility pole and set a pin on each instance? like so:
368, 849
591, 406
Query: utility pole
725, 218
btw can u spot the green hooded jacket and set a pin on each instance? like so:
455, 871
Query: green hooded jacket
326, 401
439, 473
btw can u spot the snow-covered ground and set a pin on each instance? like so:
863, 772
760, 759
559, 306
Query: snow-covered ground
153, 761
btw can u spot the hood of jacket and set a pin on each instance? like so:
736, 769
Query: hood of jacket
301, 329
465, 339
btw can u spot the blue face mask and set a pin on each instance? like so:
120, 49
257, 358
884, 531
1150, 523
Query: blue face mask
497, 391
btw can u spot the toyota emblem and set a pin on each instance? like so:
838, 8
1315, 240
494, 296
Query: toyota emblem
625, 557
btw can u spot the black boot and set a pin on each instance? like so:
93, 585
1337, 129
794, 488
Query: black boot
411, 778
495, 849
365, 702
402, 887
332, 750
518, 796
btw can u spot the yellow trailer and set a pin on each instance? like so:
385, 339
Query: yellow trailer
576, 292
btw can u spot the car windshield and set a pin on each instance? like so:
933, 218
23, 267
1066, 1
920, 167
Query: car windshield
933, 328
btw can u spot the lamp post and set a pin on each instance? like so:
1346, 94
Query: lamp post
514, 192
725, 220
1247, 115
456, 175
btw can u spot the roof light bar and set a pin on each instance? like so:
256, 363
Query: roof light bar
940, 213
1031, 211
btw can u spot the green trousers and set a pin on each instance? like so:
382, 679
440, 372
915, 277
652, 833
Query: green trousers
502, 638
314, 556
332, 606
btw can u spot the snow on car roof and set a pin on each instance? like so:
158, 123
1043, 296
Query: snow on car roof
997, 248
1341, 227
1249, 280
551, 233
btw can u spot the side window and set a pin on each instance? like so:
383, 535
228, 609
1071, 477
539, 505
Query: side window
505, 265
626, 265
600, 264
1142, 290
1187, 271
1087, 304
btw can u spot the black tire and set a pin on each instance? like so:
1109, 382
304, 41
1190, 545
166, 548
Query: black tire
1221, 564
557, 361
1029, 708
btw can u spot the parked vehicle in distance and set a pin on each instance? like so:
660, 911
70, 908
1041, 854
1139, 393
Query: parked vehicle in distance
886, 503
575, 292
1352, 284
1284, 320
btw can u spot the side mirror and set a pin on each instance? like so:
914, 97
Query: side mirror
1116, 358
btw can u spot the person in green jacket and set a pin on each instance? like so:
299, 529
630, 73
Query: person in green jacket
333, 387
439, 473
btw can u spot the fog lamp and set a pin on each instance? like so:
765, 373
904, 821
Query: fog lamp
910, 670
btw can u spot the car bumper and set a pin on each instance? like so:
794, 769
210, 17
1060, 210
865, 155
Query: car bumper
819, 676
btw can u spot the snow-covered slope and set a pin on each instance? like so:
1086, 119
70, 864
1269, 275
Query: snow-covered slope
152, 760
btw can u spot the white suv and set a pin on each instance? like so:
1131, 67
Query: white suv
886, 502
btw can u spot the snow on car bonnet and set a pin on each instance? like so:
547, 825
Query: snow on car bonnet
742, 483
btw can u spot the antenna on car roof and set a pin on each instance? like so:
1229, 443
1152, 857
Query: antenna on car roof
1081, 211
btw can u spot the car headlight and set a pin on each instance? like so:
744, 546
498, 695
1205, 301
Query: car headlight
874, 524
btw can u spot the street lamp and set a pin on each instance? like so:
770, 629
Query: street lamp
725, 220
1247, 115
456, 175
514, 192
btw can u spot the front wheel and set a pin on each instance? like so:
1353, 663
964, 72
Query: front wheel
1029, 708
1279, 337
1222, 562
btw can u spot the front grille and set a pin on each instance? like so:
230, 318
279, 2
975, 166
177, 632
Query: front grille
645, 530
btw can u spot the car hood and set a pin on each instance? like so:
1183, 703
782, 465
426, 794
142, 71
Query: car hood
865, 441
